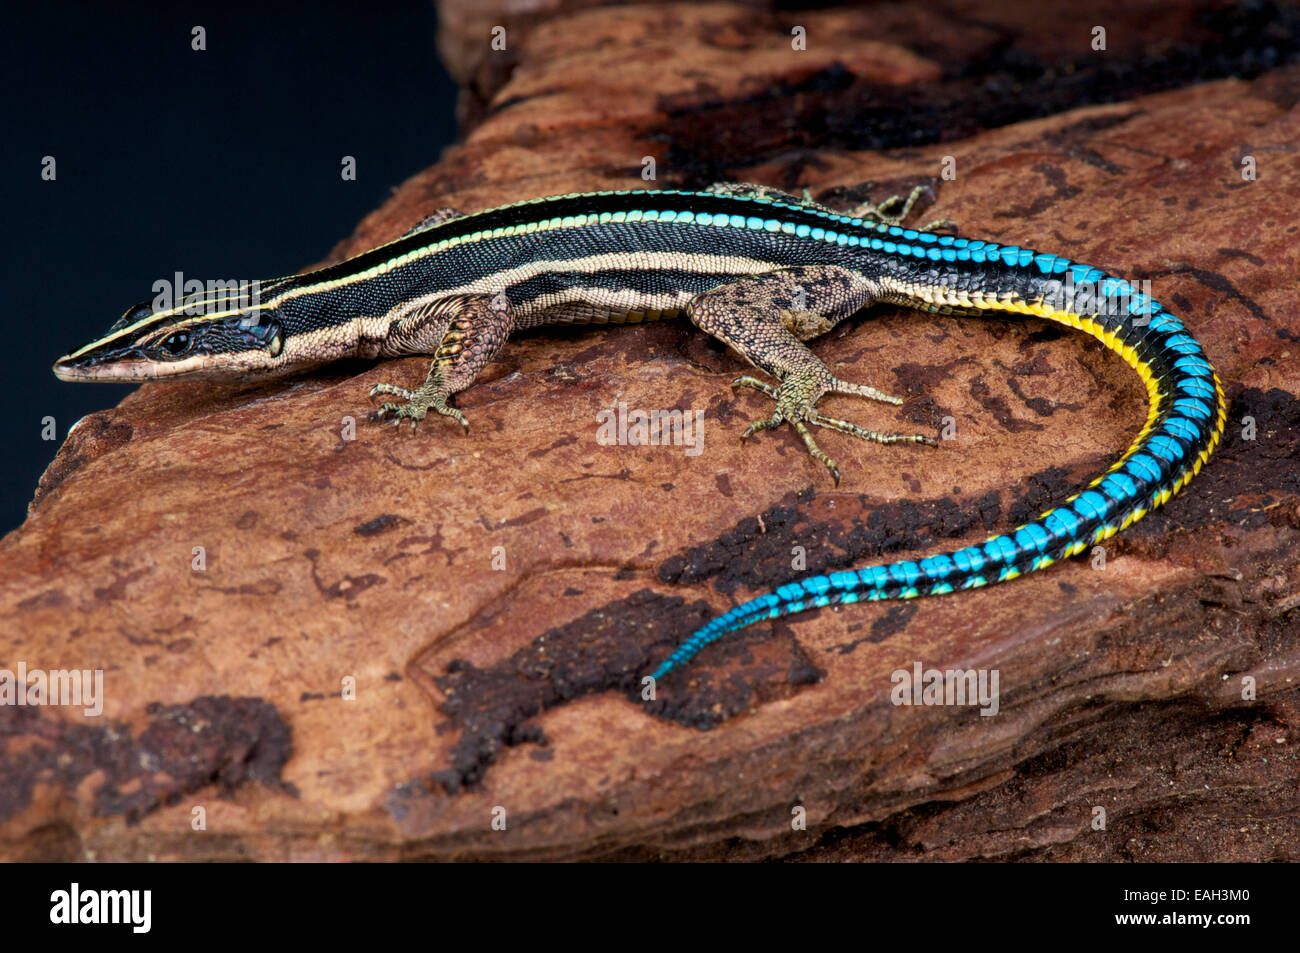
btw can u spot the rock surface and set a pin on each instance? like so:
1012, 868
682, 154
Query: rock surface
481, 692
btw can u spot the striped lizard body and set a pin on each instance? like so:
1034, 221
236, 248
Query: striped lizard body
758, 269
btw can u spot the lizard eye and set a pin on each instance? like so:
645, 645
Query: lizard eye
177, 343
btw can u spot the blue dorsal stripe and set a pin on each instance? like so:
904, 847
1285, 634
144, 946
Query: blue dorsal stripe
816, 585
1062, 522
1120, 486
1196, 386
1181, 427
1000, 549
936, 567
1192, 408
1031, 536
1165, 448
1091, 505
1144, 468
1194, 365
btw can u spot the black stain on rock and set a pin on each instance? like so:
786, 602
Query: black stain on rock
380, 524
212, 741
609, 648
755, 554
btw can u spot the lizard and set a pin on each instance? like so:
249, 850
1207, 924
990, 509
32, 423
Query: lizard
761, 270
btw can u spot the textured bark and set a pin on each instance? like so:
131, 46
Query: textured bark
480, 689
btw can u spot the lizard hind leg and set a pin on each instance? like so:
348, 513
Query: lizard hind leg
479, 326
766, 318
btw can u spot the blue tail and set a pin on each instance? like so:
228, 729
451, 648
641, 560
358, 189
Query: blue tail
1186, 418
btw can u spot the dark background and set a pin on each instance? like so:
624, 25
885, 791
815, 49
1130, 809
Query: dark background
221, 164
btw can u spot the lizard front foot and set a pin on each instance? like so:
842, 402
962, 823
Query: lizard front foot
795, 397
432, 396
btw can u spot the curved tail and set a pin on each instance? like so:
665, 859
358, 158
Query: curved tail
1185, 420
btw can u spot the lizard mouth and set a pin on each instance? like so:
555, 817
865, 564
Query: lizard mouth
125, 370
67, 370
130, 368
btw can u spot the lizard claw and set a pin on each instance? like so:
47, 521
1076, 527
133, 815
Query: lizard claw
770, 423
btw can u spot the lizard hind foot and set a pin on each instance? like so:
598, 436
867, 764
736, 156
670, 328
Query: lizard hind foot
795, 399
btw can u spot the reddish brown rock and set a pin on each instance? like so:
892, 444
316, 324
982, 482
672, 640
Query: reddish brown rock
369, 562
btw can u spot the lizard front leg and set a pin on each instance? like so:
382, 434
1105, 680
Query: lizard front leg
478, 327
766, 318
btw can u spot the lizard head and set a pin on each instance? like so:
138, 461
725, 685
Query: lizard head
213, 338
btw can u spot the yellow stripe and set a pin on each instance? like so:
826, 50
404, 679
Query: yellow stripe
1154, 396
